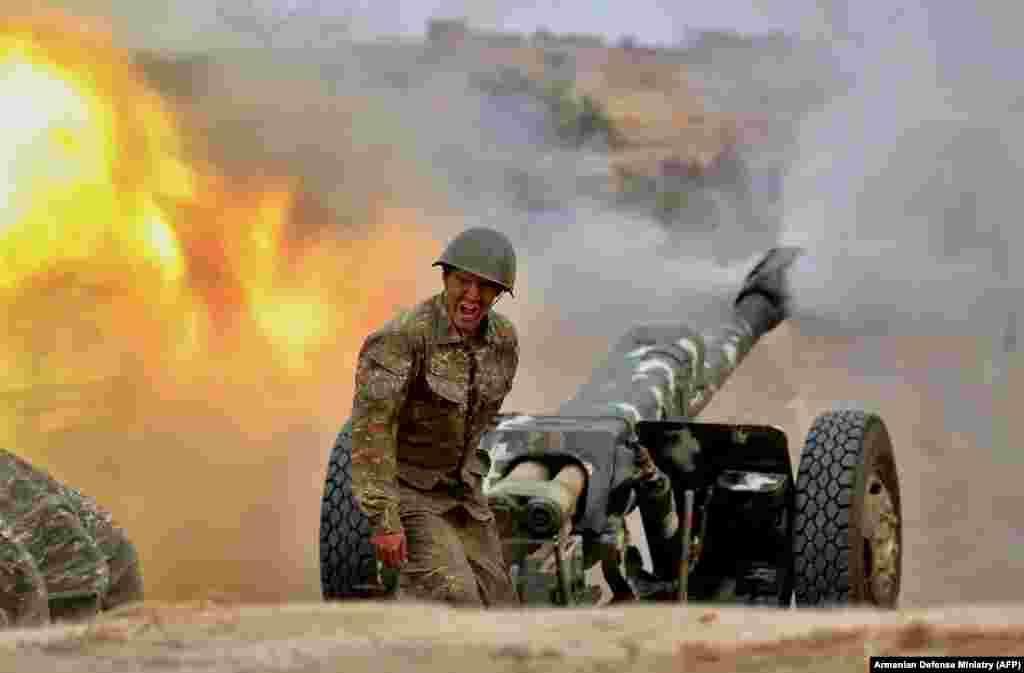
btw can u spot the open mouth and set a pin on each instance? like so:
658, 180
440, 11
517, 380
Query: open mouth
468, 312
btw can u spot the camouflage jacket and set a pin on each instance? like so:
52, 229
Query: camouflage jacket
424, 395
55, 544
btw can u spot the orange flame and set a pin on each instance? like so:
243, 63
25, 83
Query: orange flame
94, 186
163, 326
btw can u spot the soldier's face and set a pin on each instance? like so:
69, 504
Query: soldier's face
468, 298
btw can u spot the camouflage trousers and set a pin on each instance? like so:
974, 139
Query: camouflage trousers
453, 558
61, 555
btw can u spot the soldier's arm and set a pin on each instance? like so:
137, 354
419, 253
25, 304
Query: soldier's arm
383, 373
509, 358
514, 356
511, 351
509, 344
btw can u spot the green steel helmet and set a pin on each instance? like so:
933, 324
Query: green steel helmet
484, 252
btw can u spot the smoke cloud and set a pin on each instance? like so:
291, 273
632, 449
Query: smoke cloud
905, 184
905, 189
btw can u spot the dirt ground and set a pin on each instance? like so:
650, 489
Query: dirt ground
375, 637
947, 410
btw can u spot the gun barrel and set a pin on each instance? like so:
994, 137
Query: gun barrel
549, 502
670, 371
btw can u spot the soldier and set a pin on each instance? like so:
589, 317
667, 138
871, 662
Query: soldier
62, 557
427, 386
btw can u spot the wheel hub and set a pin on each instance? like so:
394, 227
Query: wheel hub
881, 528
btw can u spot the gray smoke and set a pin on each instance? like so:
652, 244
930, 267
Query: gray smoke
906, 189
906, 185
603, 266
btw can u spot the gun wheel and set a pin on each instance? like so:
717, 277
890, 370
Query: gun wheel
848, 527
348, 564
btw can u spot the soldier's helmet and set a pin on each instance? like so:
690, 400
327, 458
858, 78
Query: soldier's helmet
484, 252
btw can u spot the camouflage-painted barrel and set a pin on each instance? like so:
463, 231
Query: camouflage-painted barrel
657, 372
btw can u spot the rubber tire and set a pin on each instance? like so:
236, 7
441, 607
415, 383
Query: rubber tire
828, 543
347, 557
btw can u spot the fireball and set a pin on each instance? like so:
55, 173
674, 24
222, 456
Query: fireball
74, 182
164, 331
100, 208
86, 242
162, 324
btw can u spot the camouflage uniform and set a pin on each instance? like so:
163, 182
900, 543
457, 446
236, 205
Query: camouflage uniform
62, 556
424, 395
22, 587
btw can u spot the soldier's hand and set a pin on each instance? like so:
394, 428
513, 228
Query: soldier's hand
391, 549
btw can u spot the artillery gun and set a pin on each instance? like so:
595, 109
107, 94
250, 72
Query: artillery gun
725, 517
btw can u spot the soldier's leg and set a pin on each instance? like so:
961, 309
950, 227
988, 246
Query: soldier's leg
23, 597
484, 551
438, 569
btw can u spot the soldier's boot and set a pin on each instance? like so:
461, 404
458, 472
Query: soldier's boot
765, 298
